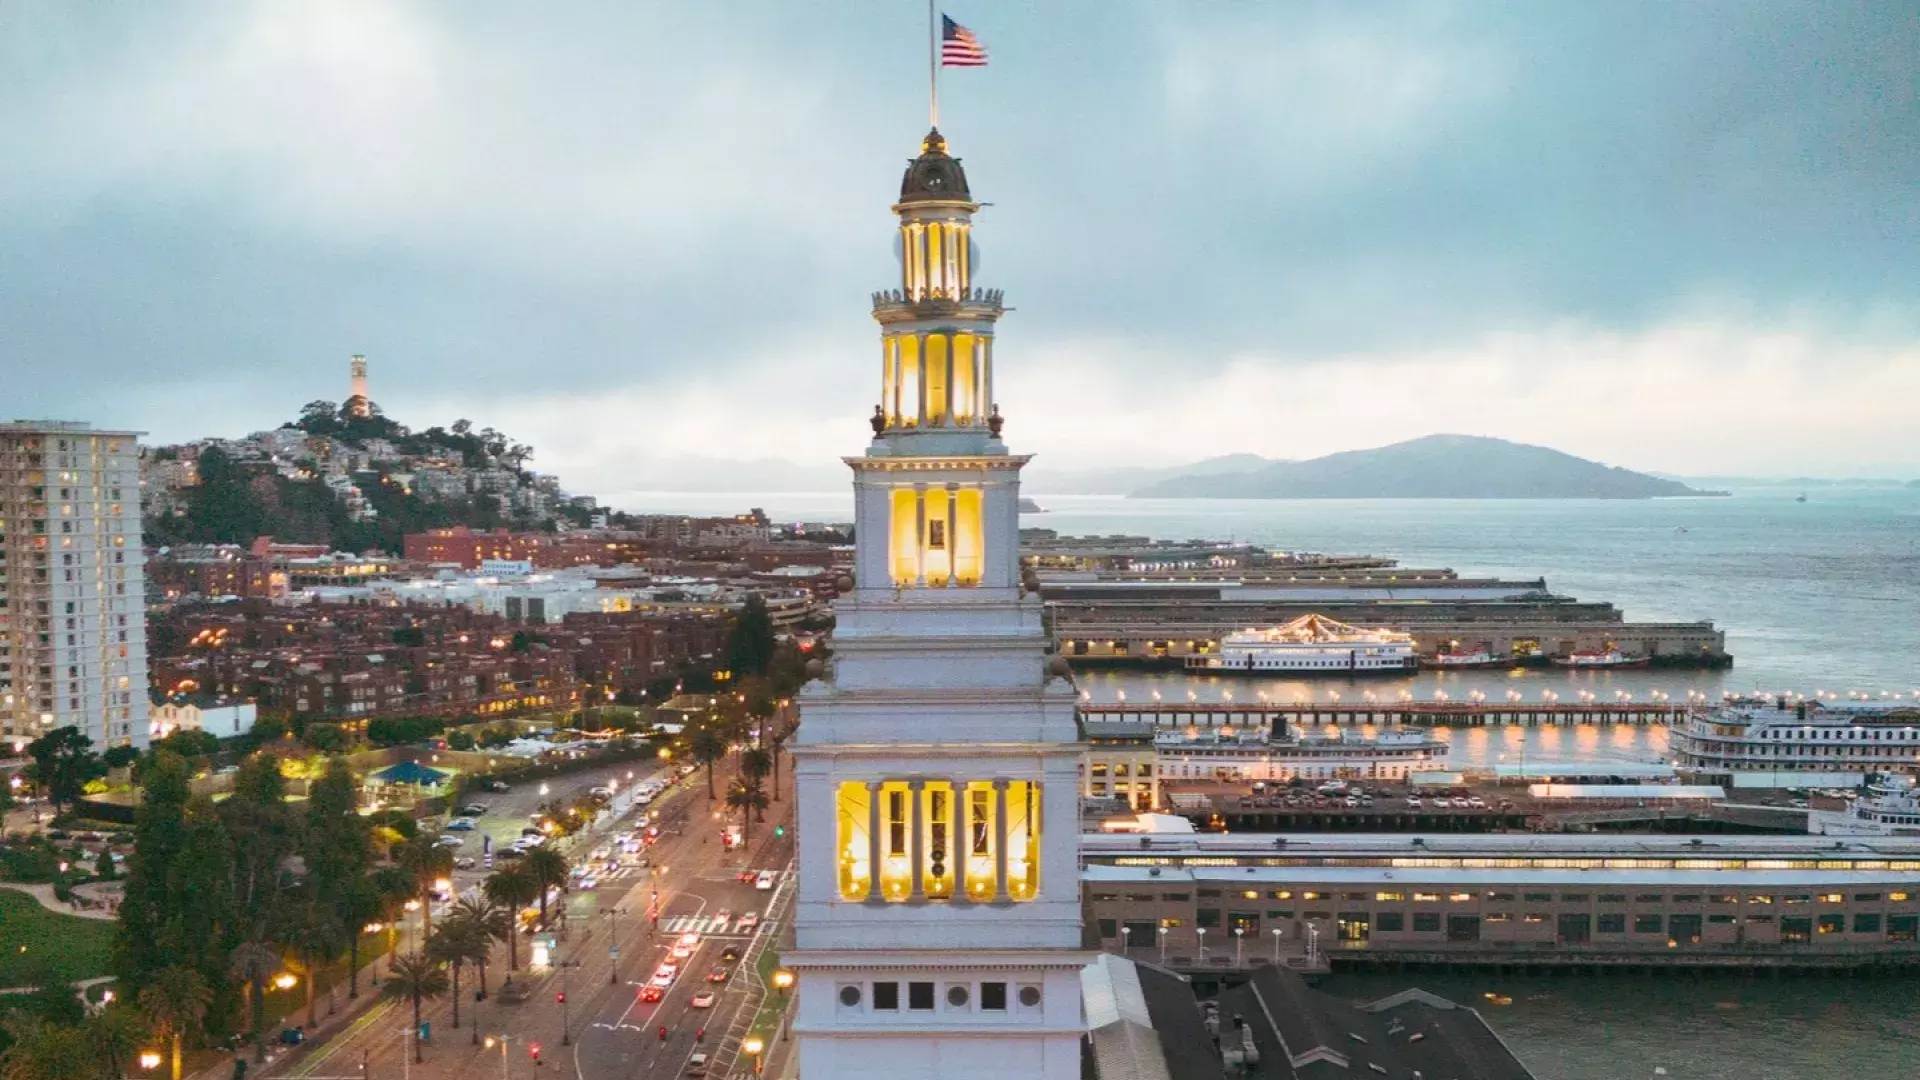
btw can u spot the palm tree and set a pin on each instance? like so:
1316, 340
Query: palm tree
755, 763
513, 888
175, 1001
709, 746
775, 733
548, 868
252, 962
494, 922
115, 1032
747, 798
416, 977
457, 943
426, 862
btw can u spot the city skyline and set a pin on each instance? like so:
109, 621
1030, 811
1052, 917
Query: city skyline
1233, 229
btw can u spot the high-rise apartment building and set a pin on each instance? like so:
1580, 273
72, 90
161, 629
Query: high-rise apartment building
73, 631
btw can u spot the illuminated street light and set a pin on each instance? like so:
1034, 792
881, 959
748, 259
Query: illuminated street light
285, 980
783, 980
149, 1059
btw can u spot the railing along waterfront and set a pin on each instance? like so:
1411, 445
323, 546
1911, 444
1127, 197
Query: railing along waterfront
1216, 714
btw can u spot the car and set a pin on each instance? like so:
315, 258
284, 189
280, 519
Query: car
531, 830
464, 862
745, 877
719, 974
506, 853
667, 968
497, 786
601, 792
461, 825
730, 954
451, 841
226, 770
472, 810
722, 917
748, 923
587, 881
651, 993
661, 981
697, 1065
681, 952
691, 937
764, 881
703, 1000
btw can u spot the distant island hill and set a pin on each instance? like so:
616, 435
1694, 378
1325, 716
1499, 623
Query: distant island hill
1433, 467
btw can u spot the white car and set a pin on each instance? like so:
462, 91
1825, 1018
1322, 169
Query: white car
764, 881
702, 1000
587, 882
682, 952
690, 938
747, 922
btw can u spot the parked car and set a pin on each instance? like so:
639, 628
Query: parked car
472, 810
461, 825
497, 785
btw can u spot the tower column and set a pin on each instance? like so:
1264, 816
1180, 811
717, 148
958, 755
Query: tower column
874, 895
925, 369
916, 840
920, 530
1000, 841
953, 535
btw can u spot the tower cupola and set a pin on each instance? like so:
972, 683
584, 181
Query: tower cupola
933, 176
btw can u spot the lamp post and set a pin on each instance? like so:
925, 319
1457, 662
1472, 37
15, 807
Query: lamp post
501, 1042
1239, 938
566, 982
1163, 946
783, 982
756, 1046
1313, 944
1201, 931
612, 915
1276, 947
1126, 940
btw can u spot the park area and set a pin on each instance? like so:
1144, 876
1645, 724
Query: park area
36, 943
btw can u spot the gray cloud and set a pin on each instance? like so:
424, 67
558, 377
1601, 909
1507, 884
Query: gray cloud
212, 205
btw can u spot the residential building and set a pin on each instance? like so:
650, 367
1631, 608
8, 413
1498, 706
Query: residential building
72, 596
223, 718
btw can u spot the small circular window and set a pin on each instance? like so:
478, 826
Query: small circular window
849, 995
957, 996
1029, 996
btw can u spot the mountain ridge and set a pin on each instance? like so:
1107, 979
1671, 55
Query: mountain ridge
1440, 466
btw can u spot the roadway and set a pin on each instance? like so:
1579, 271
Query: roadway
604, 949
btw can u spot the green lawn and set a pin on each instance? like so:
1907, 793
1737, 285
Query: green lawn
34, 940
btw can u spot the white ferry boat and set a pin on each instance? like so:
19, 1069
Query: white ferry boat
1250, 754
1891, 807
1310, 644
1779, 743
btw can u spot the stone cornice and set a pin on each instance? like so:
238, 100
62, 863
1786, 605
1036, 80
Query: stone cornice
947, 960
940, 463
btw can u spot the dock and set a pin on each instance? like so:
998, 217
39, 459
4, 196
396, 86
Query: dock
1268, 715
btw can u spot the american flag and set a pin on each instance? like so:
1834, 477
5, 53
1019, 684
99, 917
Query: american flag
959, 47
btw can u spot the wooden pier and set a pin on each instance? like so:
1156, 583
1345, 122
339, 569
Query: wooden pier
1266, 714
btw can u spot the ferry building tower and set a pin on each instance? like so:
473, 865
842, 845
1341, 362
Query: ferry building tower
938, 919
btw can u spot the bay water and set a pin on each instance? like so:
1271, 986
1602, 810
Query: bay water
1821, 595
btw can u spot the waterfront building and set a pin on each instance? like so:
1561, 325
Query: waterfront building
1798, 744
937, 926
1121, 763
1218, 901
73, 632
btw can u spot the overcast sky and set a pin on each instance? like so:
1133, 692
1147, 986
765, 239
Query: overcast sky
1681, 237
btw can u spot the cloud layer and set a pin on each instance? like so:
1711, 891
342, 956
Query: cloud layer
631, 233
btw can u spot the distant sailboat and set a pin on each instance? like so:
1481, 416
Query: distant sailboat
1802, 497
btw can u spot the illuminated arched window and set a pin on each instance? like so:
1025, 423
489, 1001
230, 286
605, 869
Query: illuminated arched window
937, 373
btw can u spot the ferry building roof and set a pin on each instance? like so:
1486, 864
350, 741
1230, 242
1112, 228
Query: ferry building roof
933, 176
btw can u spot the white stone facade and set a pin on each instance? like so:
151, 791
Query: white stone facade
938, 929
73, 624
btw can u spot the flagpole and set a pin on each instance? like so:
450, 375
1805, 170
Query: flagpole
933, 67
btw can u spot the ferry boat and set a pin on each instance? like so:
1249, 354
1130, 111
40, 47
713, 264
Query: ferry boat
1805, 743
1250, 754
1310, 644
1479, 658
1612, 658
1891, 807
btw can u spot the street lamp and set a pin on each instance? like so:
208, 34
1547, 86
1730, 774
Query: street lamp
1163, 946
753, 1045
1202, 932
1276, 947
501, 1042
149, 1059
612, 915
783, 982
1239, 937
1126, 940
286, 980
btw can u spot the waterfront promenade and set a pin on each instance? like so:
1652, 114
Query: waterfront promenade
1266, 714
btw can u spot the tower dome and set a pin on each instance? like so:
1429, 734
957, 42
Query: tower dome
933, 176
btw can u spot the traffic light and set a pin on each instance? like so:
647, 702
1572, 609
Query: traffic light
559, 999
533, 1051
779, 830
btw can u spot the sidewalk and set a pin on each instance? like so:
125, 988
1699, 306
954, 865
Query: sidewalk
44, 894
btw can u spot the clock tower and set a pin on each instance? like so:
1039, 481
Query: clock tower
937, 923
